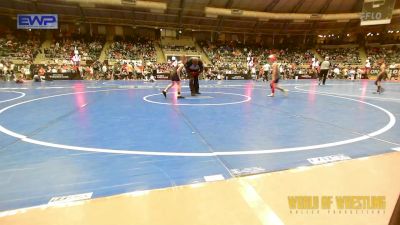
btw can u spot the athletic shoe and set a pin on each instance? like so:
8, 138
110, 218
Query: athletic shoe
198, 93
270, 95
165, 94
285, 92
180, 96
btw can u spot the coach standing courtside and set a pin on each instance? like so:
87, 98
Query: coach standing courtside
194, 67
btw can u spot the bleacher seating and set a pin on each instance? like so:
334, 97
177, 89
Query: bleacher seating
173, 46
182, 49
62, 49
234, 56
19, 45
390, 54
132, 49
344, 56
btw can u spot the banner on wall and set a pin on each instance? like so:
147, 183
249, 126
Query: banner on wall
37, 21
377, 12
63, 76
393, 72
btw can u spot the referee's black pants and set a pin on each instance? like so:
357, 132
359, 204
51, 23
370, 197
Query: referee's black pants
194, 84
322, 76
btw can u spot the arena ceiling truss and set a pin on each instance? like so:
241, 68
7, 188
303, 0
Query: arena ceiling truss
236, 16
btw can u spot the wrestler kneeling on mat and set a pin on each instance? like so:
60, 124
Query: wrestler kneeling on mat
275, 76
176, 73
194, 67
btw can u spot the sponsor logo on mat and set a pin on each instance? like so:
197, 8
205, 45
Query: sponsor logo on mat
70, 198
328, 159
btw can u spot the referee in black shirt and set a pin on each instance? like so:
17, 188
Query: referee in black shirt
194, 67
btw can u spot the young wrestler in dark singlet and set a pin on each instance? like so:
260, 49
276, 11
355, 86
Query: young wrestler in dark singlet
381, 76
177, 71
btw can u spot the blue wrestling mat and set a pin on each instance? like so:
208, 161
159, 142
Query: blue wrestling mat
66, 138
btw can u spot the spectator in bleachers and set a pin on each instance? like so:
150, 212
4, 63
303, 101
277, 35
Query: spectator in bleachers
19, 45
391, 54
346, 56
133, 49
63, 49
233, 56
183, 49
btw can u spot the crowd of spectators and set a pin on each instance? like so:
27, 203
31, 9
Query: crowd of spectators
125, 70
124, 54
235, 56
164, 67
390, 54
176, 48
346, 56
21, 45
133, 49
228, 57
63, 48
7, 69
289, 55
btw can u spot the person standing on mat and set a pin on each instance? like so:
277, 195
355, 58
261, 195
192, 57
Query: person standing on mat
367, 69
266, 69
176, 74
381, 76
275, 76
325, 66
194, 67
